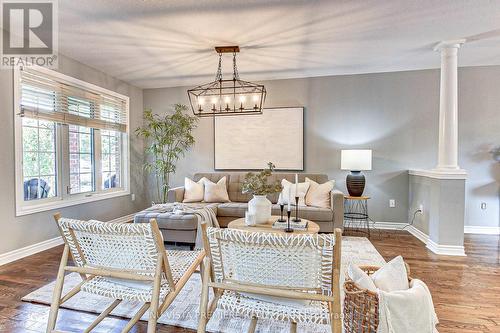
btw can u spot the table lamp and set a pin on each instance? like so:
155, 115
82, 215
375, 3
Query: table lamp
355, 160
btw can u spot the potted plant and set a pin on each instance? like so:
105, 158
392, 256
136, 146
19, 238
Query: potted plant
168, 138
257, 185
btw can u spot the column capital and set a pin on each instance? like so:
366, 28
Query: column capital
449, 44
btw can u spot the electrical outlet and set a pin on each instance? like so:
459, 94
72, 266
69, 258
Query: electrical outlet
392, 203
483, 205
132, 196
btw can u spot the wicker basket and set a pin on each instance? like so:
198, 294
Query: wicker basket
361, 305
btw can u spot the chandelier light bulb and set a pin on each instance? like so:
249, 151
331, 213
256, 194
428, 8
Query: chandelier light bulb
214, 100
201, 101
227, 99
243, 98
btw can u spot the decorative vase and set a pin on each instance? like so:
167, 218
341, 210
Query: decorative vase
355, 182
260, 207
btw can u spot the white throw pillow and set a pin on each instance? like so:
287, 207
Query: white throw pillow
362, 279
318, 195
301, 192
193, 191
392, 276
215, 192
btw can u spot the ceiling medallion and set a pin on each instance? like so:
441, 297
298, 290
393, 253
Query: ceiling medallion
227, 97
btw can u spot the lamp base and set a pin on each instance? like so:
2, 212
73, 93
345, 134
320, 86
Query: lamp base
355, 183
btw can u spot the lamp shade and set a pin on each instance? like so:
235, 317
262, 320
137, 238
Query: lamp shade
356, 159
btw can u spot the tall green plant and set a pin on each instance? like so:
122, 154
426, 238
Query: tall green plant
168, 138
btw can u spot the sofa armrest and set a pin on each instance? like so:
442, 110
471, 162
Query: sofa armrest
337, 204
175, 194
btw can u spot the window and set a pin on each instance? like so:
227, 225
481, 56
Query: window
111, 147
39, 159
71, 141
81, 159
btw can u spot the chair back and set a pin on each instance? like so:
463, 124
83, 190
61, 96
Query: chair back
131, 247
299, 262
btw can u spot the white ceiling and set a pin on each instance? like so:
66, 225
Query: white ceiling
155, 43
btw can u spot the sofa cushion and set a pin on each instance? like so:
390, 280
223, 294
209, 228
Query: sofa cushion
236, 180
318, 195
291, 191
232, 209
235, 186
193, 191
215, 192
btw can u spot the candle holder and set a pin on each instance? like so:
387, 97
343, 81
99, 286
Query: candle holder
282, 218
296, 219
288, 228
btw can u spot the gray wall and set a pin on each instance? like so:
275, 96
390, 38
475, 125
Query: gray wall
395, 114
443, 202
17, 232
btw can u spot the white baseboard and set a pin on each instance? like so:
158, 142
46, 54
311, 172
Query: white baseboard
473, 229
447, 250
11, 256
421, 236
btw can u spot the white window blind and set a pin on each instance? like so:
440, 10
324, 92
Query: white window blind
49, 98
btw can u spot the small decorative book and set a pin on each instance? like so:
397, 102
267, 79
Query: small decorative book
301, 225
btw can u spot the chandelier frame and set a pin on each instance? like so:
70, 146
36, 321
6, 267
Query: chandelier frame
227, 97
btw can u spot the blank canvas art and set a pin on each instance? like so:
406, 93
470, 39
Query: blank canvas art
249, 142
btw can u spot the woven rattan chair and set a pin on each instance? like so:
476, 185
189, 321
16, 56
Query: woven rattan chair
292, 278
122, 261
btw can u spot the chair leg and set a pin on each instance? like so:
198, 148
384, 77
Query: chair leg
103, 315
203, 319
335, 319
155, 299
253, 325
213, 303
56, 296
136, 318
293, 327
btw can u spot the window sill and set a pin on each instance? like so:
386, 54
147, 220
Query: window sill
37, 208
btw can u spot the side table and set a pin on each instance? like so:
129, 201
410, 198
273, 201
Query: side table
356, 217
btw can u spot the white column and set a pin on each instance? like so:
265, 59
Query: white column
448, 108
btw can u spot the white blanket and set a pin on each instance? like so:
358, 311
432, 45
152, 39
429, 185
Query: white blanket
407, 311
205, 215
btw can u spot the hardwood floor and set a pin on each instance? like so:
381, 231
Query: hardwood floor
466, 290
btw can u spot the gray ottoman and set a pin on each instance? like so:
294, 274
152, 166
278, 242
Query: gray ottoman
174, 228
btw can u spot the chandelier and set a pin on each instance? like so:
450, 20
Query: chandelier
227, 97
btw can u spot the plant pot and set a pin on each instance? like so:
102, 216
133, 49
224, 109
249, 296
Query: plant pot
260, 206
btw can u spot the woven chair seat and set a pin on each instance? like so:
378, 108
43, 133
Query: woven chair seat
304, 312
130, 290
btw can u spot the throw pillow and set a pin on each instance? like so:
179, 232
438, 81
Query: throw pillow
193, 191
215, 192
392, 276
362, 279
289, 187
318, 195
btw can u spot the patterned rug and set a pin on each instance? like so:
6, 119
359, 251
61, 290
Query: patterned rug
183, 312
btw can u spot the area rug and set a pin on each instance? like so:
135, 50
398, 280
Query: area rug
183, 312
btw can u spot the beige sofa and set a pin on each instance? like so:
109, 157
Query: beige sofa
327, 218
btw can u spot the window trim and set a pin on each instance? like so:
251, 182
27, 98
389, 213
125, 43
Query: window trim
62, 199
